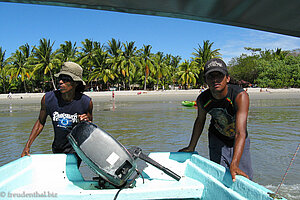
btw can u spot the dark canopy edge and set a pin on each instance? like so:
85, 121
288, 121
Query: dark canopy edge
146, 11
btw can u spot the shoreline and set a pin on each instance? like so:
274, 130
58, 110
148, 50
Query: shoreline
137, 95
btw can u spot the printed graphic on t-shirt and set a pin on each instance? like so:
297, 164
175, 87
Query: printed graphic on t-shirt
65, 120
224, 122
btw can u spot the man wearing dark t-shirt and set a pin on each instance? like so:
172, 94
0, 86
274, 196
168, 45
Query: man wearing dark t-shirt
228, 105
67, 107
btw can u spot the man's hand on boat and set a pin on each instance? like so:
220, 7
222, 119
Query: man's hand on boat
187, 149
235, 170
25, 152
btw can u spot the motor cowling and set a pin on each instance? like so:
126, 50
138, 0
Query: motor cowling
102, 153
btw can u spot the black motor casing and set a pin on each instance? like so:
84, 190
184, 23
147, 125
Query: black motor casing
102, 153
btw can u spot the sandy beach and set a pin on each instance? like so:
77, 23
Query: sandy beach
141, 95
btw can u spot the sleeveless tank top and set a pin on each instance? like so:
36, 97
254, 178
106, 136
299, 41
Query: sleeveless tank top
64, 116
223, 112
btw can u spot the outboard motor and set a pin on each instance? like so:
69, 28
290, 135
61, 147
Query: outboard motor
104, 155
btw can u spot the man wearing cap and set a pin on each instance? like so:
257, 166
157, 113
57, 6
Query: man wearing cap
228, 105
66, 106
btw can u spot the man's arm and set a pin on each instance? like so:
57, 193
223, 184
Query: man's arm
242, 101
37, 128
89, 115
197, 129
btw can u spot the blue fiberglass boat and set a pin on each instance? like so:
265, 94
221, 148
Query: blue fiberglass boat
57, 176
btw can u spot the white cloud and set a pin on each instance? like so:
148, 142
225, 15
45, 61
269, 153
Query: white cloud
234, 47
267, 40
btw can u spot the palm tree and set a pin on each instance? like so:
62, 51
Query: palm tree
44, 59
87, 51
86, 56
173, 67
3, 69
147, 64
128, 60
19, 65
279, 54
204, 54
115, 54
101, 69
167, 78
160, 67
67, 52
188, 73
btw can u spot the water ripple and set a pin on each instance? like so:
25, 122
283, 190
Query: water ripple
273, 127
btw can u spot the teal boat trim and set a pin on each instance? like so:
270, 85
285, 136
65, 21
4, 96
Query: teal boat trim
59, 176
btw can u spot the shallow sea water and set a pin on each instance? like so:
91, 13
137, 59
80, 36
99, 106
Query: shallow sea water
158, 124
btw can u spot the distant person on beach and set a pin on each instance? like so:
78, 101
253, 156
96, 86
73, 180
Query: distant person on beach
9, 95
228, 105
66, 106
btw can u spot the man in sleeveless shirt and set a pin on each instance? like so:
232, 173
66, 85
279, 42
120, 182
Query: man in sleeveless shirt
66, 106
228, 105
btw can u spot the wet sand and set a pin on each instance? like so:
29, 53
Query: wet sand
141, 95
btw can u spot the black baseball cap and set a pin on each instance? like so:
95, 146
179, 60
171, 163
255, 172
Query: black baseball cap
215, 65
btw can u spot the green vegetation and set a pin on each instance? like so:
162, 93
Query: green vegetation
274, 69
123, 65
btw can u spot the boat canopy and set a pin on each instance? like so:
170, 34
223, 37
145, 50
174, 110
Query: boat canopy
278, 16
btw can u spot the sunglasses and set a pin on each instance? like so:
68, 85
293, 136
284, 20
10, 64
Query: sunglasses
218, 76
65, 78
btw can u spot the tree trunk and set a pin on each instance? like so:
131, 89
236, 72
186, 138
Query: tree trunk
4, 86
146, 74
52, 80
25, 86
145, 85
129, 83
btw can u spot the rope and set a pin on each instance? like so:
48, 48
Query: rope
275, 196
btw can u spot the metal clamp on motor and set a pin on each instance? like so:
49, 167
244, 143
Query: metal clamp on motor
136, 152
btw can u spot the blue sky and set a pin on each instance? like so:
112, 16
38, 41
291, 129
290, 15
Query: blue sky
25, 23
